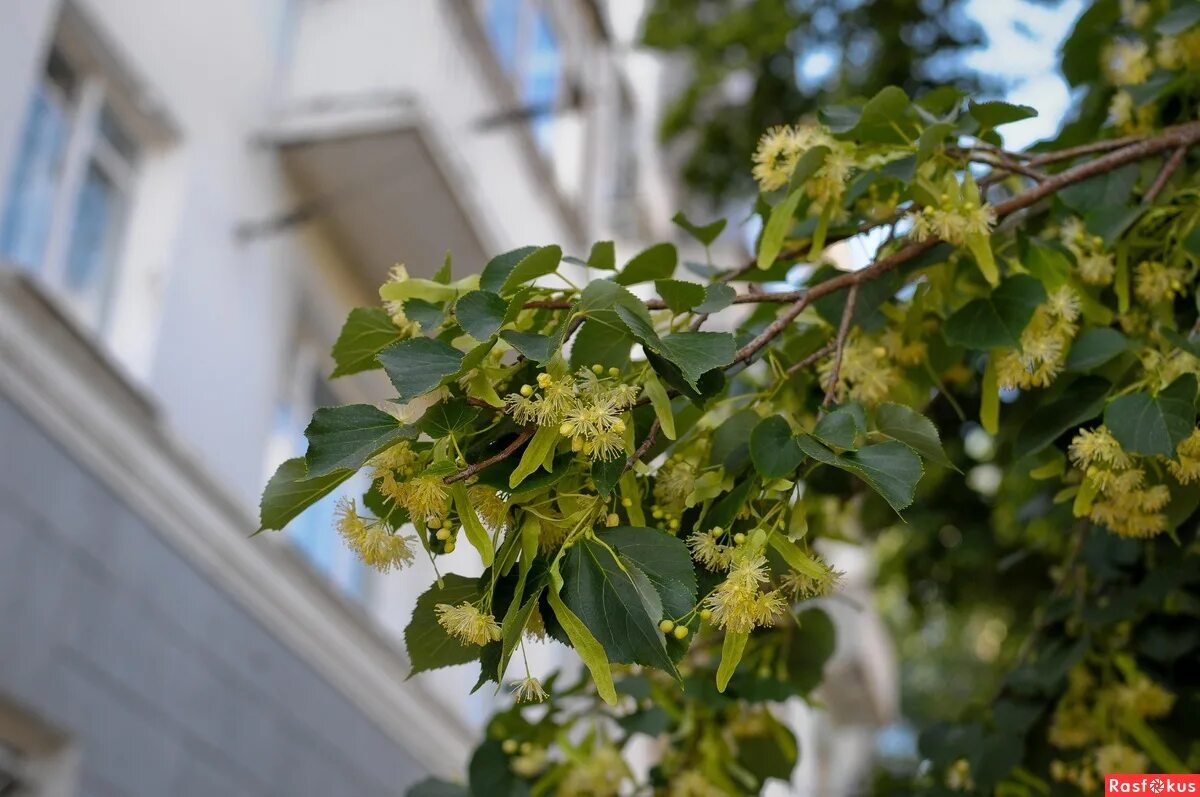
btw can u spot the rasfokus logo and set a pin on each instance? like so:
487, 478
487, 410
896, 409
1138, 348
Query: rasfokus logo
1151, 784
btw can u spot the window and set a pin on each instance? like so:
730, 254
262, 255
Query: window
70, 189
523, 37
313, 531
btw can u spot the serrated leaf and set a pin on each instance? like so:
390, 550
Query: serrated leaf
1179, 19
427, 315
594, 656
447, 417
496, 272
290, 491
696, 353
657, 262
996, 113
1154, 425
538, 263
717, 297
477, 535
429, 646
887, 118
842, 426
704, 233
602, 256
367, 331
773, 448
1095, 347
599, 342
780, 222
664, 559
342, 438
618, 604
680, 295
998, 319
910, 427
535, 346
480, 313
892, 469
661, 403
419, 365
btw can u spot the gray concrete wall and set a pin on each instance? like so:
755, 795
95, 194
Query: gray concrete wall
166, 686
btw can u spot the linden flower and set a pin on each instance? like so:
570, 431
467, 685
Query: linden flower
530, 763
1096, 269
1128, 63
491, 508
397, 461
1071, 726
802, 586
775, 157
707, 551
1186, 465
692, 783
1145, 698
371, 540
1155, 282
1097, 446
600, 774
674, 481
529, 690
866, 375
1135, 12
738, 605
467, 623
424, 497
1118, 758
395, 309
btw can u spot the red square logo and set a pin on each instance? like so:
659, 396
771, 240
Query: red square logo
1151, 784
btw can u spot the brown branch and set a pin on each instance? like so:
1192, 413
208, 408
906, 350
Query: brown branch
840, 348
645, 446
506, 452
1090, 148
1168, 169
812, 358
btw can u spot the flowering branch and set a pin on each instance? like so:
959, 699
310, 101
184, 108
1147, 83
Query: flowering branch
1168, 169
505, 453
840, 344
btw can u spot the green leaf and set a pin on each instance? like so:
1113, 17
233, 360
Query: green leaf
443, 273
680, 295
346, 437
477, 535
599, 342
480, 313
427, 315
290, 491
989, 395
696, 353
447, 417
429, 646
994, 114
705, 234
536, 347
913, 429
496, 272
419, 365
892, 469
1154, 425
661, 403
618, 604
606, 474
1095, 347
544, 440
657, 262
842, 426
717, 297
603, 256
776, 229
537, 263
731, 655
807, 166
773, 448
887, 119
367, 331
997, 320
980, 245
435, 787
587, 646
1179, 19
666, 561
1082, 401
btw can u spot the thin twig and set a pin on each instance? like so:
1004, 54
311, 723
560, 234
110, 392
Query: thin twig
840, 347
1168, 169
812, 358
1090, 148
645, 446
506, 452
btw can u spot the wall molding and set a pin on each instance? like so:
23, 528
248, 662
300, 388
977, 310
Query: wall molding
50, 369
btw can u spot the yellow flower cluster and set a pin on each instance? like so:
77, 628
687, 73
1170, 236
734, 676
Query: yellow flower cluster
1155, 282
802, 586
780, 148
489, 505
1044, 343
1092, 263
395, 309
467, 623
1127, 63
529, 690
1129, 118
599, 775
397, 470
586, 408
738, 604
1179, 52
371, 540
693, 783
708, 550
1186, 465
868, 373
1123, 502
956, 220
673, 483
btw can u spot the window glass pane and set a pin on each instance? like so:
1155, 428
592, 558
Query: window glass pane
34, 183
114, 134
539, 89
98, 220
503, 27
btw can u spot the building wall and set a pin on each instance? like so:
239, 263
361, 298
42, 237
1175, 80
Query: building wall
162, 681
